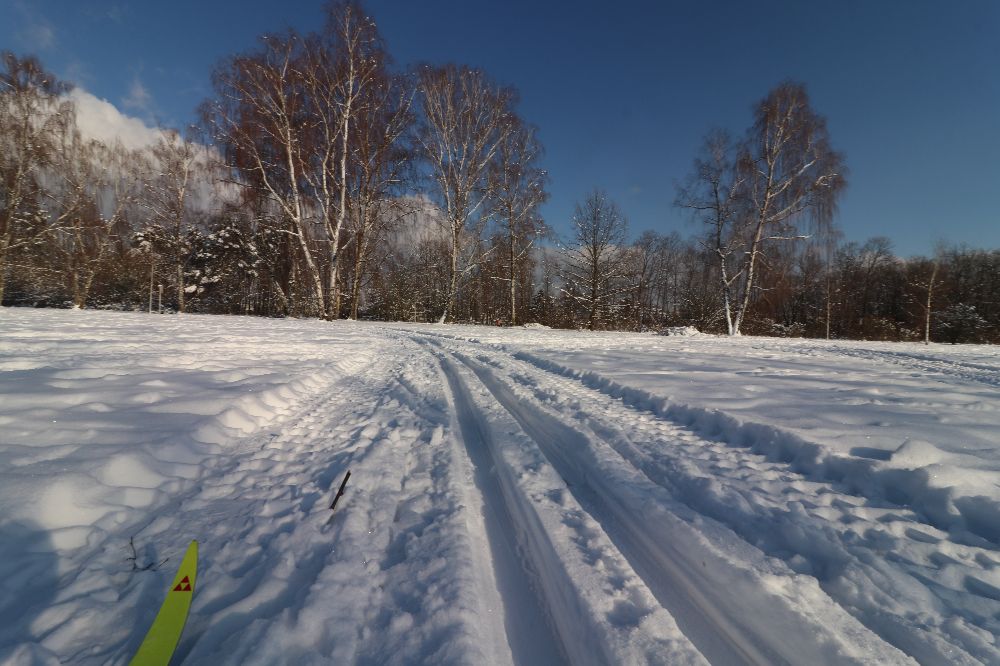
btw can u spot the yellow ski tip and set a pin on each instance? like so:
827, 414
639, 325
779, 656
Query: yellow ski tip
162, 638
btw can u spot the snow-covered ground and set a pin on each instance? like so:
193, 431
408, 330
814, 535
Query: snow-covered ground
521, 496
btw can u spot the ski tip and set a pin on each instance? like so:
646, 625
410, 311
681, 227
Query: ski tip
161, 639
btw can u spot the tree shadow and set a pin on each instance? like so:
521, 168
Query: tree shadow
28, 584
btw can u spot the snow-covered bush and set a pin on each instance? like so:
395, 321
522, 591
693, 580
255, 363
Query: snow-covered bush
960, 323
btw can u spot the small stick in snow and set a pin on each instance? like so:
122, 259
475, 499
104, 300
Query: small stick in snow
333, 507
152, 566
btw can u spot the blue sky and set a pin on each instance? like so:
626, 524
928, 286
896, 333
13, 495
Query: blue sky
623, 92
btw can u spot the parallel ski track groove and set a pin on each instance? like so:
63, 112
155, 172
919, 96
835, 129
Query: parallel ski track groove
532, 636
728, 643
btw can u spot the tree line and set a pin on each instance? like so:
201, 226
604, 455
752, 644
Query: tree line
323, 182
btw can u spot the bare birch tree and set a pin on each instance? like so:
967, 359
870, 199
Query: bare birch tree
31, 108
517, 184
593, 262
713, 193
463, 123
383, 159
338, 68
927, 283
792, 173
90, 189
167, 190
261, 119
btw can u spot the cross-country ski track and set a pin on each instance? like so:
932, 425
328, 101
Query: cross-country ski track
504, 507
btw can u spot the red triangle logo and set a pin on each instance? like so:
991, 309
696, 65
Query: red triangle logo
184, 585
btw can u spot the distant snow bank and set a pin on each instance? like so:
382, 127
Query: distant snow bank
680, 331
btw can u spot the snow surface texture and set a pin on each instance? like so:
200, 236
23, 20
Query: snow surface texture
524, 496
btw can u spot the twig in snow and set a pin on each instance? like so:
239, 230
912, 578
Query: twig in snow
333, 507
152, 566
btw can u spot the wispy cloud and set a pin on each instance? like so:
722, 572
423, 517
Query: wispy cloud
36, 32
116, 13
140, 101
138, 96
77, 72
42, 35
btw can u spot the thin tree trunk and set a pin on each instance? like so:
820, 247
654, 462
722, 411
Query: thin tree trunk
927, 309
829, 307
513, 287
748, 281
342, 213
726, 295
180, 286
88, 282
453, 278
356, 282
74, 285
593, 299
152, 269
754, 251
300, 231
3, 267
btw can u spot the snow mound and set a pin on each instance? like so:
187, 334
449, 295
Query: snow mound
680, 331
536, 325
914, 453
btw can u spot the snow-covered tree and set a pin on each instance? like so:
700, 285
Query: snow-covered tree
173, 168
960, 323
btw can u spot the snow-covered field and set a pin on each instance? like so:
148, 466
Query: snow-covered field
516, 496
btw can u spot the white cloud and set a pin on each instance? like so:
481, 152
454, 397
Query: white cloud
101, 120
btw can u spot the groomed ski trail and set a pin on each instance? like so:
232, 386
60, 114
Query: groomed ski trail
599, 609
529, 627
731, 612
